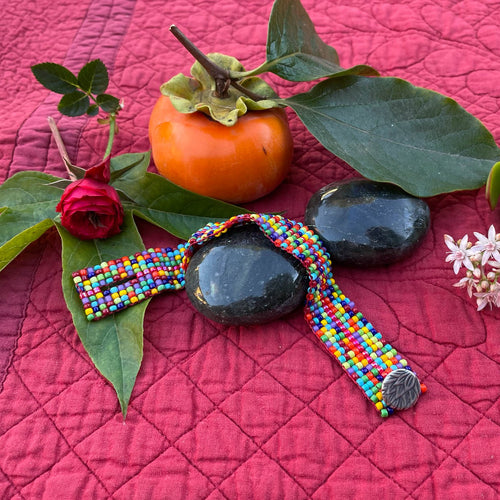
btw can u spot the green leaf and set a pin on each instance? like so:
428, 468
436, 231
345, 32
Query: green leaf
13, 247
171, 207
389, 130
93, 110
295, 52
493, 186
93, 77
28, 200
108, 103
129, 165
115, 343
55, 77
74, 104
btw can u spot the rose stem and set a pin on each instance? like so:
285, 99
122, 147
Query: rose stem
61, 147
220, 75
112, 130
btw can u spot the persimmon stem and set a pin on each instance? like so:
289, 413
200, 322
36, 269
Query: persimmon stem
221, 76
248, 93
61, 147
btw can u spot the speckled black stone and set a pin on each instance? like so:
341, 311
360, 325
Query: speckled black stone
365, 223
241, 278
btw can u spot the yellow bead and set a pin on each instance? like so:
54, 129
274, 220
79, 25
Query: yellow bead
379, 405
134, 300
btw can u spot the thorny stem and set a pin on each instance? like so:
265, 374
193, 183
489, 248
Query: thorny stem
61, 147
221, 76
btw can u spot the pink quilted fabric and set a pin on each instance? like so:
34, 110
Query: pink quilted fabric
261, 412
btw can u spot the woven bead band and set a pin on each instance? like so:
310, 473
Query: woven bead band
383, 375
111, 286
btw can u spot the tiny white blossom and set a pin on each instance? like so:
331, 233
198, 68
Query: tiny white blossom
458, 254
484, 298
468, 282
489, 246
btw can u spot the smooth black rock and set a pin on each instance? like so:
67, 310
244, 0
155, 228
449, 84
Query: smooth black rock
366, 223
241, 278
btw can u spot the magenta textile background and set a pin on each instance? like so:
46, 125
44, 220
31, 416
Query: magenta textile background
229, 412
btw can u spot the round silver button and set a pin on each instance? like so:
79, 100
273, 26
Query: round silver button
401, 389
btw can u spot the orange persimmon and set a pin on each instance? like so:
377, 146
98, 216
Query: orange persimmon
236, 164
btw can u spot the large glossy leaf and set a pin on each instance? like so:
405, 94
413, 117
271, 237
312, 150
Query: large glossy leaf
295, 51
114, 343
171, 207
28, 200
389, 130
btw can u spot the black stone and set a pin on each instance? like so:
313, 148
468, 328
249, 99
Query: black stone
241, 278
366, 223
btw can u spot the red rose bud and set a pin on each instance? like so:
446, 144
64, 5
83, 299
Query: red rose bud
91, 208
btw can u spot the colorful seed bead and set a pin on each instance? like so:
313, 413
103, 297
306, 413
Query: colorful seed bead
334, 319
120, 283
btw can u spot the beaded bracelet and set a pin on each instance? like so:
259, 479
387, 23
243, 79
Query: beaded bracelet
377, 368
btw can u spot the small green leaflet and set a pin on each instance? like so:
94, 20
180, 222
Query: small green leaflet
74, 104
389, 130
55, 77
93, 77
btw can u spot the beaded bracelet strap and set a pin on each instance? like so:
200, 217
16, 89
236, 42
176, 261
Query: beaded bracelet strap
382, 374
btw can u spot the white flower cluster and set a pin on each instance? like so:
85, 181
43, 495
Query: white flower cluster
482, 263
